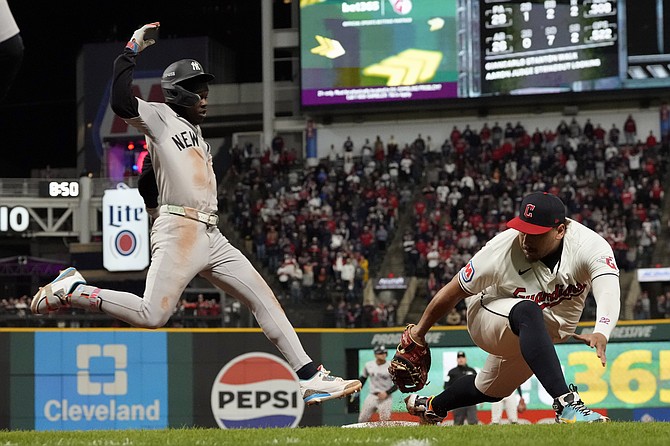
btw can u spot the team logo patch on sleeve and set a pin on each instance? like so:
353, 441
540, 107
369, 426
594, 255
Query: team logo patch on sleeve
467, 272
609, 261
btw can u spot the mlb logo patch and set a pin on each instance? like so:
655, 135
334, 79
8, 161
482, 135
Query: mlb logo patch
256, 390
468, 272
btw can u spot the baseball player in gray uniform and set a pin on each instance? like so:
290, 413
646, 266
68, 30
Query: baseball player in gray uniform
381, 387
524, 291
185, 238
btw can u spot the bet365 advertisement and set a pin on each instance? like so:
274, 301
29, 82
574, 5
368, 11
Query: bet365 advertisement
382, 50
637, 375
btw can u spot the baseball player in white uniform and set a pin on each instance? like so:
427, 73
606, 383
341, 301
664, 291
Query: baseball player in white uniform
381, 387
525, 290
185, 238
11, 48
510, 405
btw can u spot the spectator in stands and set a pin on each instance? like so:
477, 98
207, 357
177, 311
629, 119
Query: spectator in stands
642, 309
661, 305
286, 274
381, 236
651, 140
630, 130
348, 146
614, 135
454, 317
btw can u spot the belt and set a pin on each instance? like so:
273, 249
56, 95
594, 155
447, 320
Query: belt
193, 214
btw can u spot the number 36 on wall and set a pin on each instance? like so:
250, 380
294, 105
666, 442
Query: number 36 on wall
636, 375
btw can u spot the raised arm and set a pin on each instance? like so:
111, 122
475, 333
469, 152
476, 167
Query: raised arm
123, 101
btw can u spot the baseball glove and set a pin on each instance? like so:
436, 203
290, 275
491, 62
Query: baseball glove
521, 408
411, 363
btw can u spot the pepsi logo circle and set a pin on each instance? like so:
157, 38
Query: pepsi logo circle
256, 390
125, 242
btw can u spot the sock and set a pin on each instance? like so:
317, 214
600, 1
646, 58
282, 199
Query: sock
461, 393
536, 347
86, 297
307, 371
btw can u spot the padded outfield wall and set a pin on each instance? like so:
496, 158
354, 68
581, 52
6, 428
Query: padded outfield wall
62, 379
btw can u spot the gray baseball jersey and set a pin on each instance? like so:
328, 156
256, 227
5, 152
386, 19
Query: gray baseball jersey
187, 244
380, 381
181, 157
378, 376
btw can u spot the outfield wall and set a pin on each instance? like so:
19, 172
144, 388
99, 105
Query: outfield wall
61, 379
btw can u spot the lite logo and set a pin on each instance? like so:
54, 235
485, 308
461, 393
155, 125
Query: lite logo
102, 369
256, 390
125, 230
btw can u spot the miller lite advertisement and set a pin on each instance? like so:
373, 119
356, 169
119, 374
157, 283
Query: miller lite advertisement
125, 230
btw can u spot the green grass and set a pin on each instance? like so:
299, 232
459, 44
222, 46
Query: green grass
611, 434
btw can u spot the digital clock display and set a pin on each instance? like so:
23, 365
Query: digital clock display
59, 189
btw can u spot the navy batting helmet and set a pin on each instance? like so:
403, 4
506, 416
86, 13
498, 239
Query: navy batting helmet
178, 72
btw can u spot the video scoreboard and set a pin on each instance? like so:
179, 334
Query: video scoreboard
548, 46
407, 50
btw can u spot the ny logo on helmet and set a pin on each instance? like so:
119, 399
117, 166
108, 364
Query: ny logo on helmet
196, 66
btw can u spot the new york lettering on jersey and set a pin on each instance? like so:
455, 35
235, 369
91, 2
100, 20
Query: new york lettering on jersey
185, 140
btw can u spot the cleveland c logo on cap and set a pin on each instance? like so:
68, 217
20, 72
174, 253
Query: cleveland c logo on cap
528, 212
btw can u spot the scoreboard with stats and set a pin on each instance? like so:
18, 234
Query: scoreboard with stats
545, 46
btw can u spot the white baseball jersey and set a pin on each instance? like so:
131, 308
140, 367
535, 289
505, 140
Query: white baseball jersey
182, 159
500, 270
380, 381
8, 27
378, 376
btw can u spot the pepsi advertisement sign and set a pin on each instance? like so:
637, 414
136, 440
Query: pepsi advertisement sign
100, 380
256, 390
125, 230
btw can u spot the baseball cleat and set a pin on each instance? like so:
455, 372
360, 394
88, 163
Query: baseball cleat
571, 409
323, 387
422, 407
54, 296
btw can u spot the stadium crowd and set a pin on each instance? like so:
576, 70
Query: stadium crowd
322, 231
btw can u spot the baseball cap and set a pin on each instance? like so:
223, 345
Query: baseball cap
460, 354
539, 213
380, 349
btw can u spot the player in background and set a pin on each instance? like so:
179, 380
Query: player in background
11, 49
525, 290
381, 387
508, 404
185, 238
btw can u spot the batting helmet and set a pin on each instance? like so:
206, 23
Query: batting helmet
178, 72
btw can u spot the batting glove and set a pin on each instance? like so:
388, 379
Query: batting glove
143, 37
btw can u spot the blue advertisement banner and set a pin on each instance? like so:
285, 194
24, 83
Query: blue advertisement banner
100, 380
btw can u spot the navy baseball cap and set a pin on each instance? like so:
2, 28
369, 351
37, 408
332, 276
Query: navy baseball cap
380, 349
540, 212
460, 354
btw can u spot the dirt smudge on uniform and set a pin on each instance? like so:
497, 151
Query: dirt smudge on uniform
165, 303
187, 231
200, 167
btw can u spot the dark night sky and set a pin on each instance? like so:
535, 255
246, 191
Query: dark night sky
38, 118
